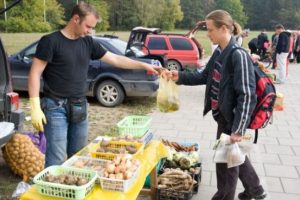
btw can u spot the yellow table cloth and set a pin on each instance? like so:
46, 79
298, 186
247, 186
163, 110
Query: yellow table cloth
149, 158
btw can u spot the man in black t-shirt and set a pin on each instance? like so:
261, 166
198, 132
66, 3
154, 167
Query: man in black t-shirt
62, 58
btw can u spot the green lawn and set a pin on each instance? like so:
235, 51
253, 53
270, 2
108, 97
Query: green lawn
14, 42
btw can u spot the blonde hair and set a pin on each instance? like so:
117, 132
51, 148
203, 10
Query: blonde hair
237, 29
220, 18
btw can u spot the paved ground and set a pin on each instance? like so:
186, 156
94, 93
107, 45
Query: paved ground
276, 157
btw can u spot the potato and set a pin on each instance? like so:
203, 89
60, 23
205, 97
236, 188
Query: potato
23, 157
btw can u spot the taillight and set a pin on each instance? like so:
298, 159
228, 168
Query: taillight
150, 73
153, 62
13, 98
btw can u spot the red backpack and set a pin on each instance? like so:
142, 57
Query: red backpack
266, 96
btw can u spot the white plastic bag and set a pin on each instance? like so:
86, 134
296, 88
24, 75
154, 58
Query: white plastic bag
221, 149
235, 157
246, 145
22, 187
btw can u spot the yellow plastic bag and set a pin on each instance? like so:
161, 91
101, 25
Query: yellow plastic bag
167, 96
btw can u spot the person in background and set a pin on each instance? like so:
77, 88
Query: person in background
296, 47
282, 52
231, 99
237, 33
273, 49
252, 45
62, 58
262, 39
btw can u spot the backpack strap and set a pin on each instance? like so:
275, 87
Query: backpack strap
229, 58
256, 136
231, 70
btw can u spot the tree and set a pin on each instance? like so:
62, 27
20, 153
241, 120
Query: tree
102, 8
193, 11
29, 17
54, 14
235, 8
170, 14
148, 11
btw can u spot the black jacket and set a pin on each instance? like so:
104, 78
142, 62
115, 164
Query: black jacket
237, 97
261, 39
283, 44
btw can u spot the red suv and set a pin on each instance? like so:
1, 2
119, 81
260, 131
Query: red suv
181, 51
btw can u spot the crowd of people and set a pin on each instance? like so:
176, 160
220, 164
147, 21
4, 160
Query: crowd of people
284, 47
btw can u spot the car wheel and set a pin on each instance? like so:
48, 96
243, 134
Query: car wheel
174, 65
110, 93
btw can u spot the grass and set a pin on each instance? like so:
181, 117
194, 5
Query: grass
13, 42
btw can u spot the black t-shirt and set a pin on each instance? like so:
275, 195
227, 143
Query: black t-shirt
68, 60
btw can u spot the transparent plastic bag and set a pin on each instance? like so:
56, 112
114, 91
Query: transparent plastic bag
167, 96
235, 157
221, 149
22, 187
246, 145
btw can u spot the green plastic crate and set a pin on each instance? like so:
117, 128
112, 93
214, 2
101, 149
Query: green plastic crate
134, 125
61, 190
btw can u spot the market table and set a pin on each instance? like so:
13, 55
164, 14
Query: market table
149, 158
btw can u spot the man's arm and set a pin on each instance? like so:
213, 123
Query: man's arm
37, 68
127, 63
38, 118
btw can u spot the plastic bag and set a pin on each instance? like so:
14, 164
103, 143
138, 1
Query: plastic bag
235, 157
221, 149
167, 96
38, 139
246, 145
278, 102
23, 157
22, 187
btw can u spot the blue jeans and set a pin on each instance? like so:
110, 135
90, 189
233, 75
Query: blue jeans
64, 139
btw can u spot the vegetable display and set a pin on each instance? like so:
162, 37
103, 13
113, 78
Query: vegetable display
176, 179
122, 167
66, 179
179, 147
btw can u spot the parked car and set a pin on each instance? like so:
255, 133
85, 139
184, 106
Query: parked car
110, 85
11, 116
181, 51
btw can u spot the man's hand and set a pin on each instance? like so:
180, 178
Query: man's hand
38, 118
235, 137
153, 69
173, 75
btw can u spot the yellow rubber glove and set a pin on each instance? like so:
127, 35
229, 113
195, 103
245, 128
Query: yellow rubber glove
38, 118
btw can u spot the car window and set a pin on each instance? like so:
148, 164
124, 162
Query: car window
29, 53
157, 43
119, 44
181, 44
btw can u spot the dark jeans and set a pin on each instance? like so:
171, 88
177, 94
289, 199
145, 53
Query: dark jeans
227, 177
64, 139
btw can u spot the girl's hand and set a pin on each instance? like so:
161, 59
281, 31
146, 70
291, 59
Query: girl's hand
235, 137
170, 75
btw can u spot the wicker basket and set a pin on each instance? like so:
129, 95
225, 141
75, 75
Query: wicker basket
61, 190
